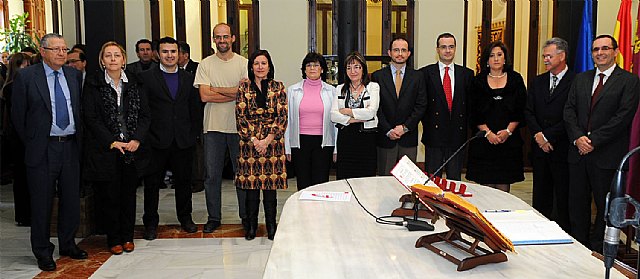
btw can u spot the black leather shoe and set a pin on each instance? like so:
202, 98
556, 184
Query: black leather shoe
150, 233
189, 227
47, 264
210, 226
75, 253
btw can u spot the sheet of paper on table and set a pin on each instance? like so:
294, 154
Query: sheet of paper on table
525, 227
325, 196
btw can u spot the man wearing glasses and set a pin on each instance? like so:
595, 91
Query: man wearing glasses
46, 116
598, 116
445, 120
402, 103
217, 79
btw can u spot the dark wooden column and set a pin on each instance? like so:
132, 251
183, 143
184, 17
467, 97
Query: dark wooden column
55, 16
567, 23
205, 33
386, 26
104, 21
486, 25
509, 26
76, 6
155, 19
233, 19
466, 30
313, 21
255, 7
348, 36
181, 26
534, 32
411, 11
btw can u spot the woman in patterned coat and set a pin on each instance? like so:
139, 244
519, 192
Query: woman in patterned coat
261, 117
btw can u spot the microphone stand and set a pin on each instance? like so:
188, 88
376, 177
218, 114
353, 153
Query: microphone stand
615, 216
418, 225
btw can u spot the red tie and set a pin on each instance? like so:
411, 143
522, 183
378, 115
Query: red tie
593, 99
446, 84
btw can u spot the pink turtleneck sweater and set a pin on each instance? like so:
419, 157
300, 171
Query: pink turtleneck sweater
311, 108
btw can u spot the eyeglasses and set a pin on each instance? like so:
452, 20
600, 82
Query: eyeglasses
603, 48
313, 65
221, 37
400, 50
57, 50
73, 61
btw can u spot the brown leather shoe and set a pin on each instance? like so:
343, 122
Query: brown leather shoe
128, 247
116, 250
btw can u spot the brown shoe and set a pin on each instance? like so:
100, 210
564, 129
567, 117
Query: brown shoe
128, 247
116, 250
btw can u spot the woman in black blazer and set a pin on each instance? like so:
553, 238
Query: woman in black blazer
117, 121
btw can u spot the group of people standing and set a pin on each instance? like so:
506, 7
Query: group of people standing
130, 125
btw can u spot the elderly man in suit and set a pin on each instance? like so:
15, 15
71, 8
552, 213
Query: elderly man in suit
46, 116
402, 104
544, 111
597, 115
176, 115
445, 120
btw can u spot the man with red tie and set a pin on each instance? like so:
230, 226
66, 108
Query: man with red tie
445, 120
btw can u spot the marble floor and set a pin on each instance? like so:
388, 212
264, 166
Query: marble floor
224, 254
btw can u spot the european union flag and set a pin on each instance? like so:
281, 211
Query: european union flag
583, 50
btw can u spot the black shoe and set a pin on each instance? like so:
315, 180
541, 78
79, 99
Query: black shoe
47, 264
75, 253
150, 233
197, 187
210, 226
189, 227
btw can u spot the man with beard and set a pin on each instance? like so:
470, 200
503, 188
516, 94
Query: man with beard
402, 104
175, 124
145, 56
545, 104
217, 79
445, 119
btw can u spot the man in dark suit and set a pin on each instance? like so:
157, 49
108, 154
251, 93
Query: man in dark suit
445, 120
598, 116
175, 122
46, 116
184, 58
145, 58
545, 106
402, 104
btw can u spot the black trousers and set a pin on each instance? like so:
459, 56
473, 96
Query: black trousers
21, 197
119, 203
436, 156
311, 161
59, 170
253, 203
585, 179
551, 182
180, 161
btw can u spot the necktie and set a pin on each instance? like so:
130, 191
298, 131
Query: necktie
62, 113
446, 84
594, 96
398, 82
553, 86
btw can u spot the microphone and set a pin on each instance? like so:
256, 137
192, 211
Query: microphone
479, 134
615, 214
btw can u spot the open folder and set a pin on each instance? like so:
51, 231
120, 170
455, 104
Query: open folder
525, 227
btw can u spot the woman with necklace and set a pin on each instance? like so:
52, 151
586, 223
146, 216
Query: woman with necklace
261, 118
116, 115
497, 107
354, 111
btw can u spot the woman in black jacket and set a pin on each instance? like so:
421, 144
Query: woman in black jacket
116, 116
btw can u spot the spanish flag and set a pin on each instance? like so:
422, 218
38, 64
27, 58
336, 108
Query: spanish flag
633, 178
622, 33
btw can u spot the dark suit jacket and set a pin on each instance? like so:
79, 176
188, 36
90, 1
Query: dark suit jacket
443, 128
179, 119
611, 118
31, 109
100, 160
406, 109
136, 67
544, 114
191, 67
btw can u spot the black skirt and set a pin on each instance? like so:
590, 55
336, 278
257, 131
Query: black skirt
356, 152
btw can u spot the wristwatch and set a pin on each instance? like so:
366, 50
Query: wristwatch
405, 129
